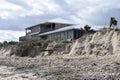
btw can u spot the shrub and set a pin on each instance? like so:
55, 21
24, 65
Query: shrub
23, 49
87, 28
12, 43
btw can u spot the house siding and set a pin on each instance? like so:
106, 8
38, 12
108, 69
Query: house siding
32, 30
65, 35
35, 29
77, 34
57, 26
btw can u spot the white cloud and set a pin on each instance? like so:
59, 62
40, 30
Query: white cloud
8, 35
42, 7
80, 8
8, 10
28, 12
94, 11
78, 20
9, 6
36, 7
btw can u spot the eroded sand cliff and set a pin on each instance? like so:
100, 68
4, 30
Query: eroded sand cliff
91, 57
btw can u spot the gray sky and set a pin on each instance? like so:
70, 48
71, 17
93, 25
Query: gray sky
15, 15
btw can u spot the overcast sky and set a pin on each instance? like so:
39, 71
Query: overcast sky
15, 15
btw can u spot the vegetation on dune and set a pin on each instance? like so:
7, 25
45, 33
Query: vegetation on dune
113, 22
88, 29
11, 43
25, 48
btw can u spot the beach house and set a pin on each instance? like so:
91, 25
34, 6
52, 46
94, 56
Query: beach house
53, 29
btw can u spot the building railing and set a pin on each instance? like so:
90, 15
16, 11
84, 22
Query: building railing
24, 38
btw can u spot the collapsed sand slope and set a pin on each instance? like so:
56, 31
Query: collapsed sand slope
101, 43
5, 51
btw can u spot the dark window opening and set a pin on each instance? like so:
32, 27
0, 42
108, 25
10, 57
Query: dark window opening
77, 34
44, 37
53, 26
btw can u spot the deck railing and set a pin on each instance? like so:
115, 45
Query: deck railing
24, 38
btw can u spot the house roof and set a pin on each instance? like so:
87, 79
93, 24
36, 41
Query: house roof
61, 20
56, 20
78, 27
62, 29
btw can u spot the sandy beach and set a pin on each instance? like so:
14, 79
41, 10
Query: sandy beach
60, 68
